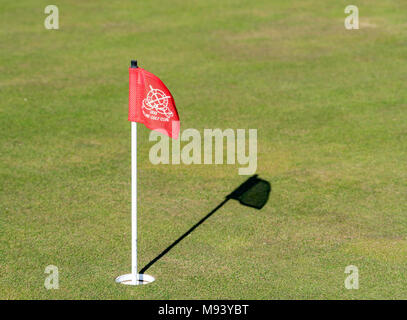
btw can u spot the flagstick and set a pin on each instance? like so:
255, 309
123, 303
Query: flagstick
134, 278
134, 200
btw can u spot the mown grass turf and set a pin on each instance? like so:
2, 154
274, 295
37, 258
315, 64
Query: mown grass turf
330, 108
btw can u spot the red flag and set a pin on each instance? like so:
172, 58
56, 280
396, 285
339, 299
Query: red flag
151, 103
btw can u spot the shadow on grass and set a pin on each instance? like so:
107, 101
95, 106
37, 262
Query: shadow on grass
254, 192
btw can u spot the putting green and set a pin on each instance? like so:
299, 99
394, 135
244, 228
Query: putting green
329, 105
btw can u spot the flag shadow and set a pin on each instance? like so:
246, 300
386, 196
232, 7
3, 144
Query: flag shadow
254, 193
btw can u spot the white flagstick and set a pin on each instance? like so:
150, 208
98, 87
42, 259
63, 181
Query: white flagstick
134, 278
134, 200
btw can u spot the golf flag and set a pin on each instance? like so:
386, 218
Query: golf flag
151, 103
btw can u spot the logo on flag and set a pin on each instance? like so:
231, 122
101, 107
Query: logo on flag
156, 103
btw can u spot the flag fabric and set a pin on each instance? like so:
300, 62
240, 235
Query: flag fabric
151, 103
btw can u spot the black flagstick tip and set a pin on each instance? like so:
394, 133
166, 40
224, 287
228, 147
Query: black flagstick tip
134, 64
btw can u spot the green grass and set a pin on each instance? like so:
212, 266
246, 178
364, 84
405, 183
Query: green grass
330, 107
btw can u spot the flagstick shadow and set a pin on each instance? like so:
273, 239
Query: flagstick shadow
246, 196
182, 237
